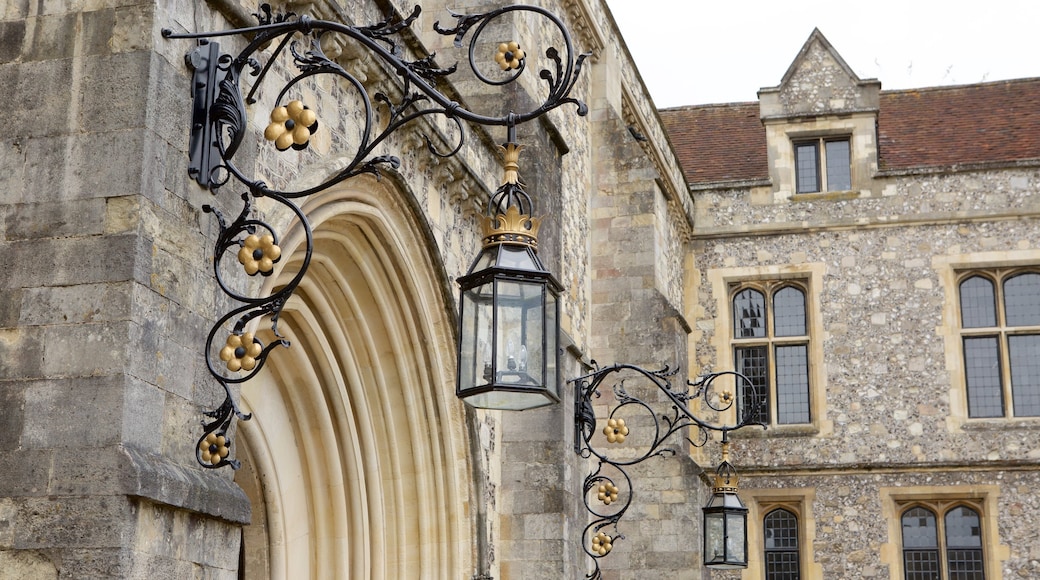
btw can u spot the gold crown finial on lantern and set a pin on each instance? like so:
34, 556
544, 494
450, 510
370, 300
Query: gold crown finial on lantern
725, 476
512, 227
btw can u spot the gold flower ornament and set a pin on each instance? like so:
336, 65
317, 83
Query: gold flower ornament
601, 544
616, 431
509, 56
240, 352
291, 126
608, 493
214, 448
259, 254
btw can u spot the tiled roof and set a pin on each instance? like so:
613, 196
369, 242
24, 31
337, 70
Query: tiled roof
982, 123
718, 142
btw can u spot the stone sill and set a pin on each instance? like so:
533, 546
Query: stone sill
825, 196
997, 424
753, 432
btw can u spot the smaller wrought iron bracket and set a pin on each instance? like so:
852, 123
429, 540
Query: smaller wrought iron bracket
604, 491
203, 151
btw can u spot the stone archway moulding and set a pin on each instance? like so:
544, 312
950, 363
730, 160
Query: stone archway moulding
359, 444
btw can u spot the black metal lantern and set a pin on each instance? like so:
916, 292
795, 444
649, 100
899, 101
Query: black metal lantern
509, 318
725, 521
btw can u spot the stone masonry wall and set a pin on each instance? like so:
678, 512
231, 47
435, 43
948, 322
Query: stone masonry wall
103, 305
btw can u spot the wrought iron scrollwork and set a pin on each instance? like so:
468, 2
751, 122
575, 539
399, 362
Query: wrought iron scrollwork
608, 490
220, 129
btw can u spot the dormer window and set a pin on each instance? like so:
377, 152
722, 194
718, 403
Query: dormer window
823, 165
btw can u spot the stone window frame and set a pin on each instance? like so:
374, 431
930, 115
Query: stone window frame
822, 177
1002, 331
951, 269
799, 501
771, 342
982, 498
782, 133
810, 277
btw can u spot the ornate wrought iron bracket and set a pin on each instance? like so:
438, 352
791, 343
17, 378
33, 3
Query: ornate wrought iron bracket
220, 129
607, 489
202, 148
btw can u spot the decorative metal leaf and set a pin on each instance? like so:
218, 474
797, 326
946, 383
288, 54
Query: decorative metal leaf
462, 25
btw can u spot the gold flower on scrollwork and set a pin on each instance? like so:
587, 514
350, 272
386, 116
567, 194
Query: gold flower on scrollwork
240, 352
214, 448
601, 544
509, 56
608, 493
291, 126
616, 431
259, 254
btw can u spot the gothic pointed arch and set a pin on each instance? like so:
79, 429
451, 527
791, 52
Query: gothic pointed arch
358, 442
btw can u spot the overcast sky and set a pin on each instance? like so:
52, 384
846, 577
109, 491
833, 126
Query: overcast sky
693, 52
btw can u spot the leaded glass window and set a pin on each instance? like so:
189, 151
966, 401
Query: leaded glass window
780, 528
942, 548
771, 349
832, 172
1000, 337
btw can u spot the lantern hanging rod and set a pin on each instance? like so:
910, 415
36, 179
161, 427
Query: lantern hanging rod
220, 127
609, 481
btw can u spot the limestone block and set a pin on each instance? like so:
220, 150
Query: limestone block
103, 77
12, 34
21, 352
63, 413
87, 471
73, 522
55, 219
86, 350
26, 565
96, 563
11, 420
143, 408
69, 261
39, 98
50, 37
12, 178
74, 304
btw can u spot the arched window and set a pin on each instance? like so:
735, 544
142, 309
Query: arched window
958, 556
780, 528
1000, 334
771, 348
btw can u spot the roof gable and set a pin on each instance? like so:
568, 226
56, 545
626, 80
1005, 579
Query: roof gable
819, 82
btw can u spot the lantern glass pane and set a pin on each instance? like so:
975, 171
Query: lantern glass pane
517, 257
714, 537
552, 343
520, 329
477, 322
736, 536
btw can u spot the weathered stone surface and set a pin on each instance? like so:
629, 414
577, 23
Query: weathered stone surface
21, 353
81, 303
70, 261
26, 565
12, 34
72, 413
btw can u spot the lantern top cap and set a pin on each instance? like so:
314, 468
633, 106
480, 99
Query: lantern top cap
508, 219
726, 475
